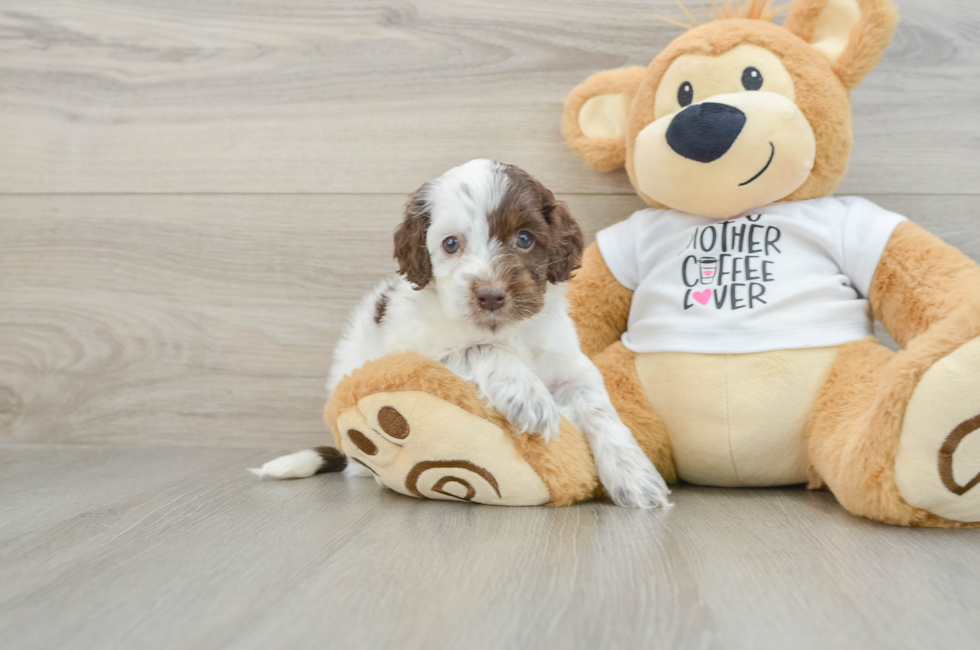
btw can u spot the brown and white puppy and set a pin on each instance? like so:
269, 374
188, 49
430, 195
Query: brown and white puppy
482, 253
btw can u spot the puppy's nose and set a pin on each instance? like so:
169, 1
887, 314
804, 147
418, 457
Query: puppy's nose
705, 132
491, 299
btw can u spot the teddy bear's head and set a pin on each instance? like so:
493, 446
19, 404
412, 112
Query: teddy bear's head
738, 112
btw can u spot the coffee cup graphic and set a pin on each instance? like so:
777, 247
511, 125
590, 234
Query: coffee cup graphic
709, 266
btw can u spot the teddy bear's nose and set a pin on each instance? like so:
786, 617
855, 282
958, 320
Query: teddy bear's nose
705, 132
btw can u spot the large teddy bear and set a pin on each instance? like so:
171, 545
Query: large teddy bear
732, 320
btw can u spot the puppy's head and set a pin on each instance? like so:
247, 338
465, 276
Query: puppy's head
489, 239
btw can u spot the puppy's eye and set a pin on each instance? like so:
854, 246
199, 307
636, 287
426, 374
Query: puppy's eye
685, 95
524, 239
752, 79
450, 245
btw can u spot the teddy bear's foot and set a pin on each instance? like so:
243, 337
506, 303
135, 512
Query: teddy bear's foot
937, 467
426, 433
422, 446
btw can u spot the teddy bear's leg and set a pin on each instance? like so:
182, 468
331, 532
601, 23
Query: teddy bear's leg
424, 432
896, 437
618, 367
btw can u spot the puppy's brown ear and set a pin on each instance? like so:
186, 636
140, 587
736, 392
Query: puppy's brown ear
567, 242
595, 117
410, 249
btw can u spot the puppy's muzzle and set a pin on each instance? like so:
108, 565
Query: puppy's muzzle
491, 298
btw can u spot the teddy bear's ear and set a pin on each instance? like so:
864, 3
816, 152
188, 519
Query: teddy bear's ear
596, 112
852, 34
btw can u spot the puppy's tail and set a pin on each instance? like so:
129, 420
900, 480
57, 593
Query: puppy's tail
303, 464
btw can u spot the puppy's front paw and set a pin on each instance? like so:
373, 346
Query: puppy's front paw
530, 409
632, 481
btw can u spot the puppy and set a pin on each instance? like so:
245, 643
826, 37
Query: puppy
482, 255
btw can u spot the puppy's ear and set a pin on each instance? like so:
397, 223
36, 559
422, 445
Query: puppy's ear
595, 117
852, 34
567, 242
410, 249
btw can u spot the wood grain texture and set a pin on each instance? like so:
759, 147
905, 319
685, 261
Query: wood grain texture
123, 548
186, 320
350, 96
208, 320
197, 193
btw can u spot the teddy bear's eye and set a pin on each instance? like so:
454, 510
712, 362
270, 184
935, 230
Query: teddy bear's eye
752, 79
685, 95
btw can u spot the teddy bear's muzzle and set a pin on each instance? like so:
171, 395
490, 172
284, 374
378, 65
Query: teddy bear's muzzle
726, 155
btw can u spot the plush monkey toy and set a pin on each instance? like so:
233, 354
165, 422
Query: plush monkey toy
732, 320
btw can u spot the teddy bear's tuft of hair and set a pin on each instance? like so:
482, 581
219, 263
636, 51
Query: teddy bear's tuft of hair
727, 9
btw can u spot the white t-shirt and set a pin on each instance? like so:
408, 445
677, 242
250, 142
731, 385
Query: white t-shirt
789, 275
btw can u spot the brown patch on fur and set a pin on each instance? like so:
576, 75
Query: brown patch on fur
558, 239
564, 464
921, 280
599, 304
380, 307
618, 367
333, 460
410, 249
528, 206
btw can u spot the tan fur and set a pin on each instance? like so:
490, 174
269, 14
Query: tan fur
802, 18
618, 367
821, 86
856, 420
602, 154
921, 280
819, 94
600, 305
564, 464
867, 41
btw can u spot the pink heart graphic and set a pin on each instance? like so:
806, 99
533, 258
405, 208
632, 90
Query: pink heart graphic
702, 296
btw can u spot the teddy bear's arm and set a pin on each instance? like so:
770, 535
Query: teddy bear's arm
600, 305
919, 281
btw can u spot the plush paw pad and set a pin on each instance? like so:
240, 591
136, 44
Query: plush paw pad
422, 446
937, 467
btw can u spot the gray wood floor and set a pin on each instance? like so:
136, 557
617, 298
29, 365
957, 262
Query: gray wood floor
114, 547
193, 194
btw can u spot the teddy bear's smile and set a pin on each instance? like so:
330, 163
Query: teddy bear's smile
771, 157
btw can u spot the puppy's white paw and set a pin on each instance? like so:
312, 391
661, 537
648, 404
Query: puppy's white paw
632, 481
531, 409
